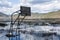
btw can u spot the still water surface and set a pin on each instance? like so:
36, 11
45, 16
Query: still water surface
29, 36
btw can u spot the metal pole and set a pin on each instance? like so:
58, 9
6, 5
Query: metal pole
17, 26
11, 25
19, 23
9, 38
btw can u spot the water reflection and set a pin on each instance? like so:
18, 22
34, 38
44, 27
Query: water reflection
34, 29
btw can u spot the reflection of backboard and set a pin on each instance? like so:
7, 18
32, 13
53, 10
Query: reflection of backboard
25, 11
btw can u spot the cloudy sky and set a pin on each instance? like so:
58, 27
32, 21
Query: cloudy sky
39, 6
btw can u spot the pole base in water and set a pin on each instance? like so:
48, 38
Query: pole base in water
11, 35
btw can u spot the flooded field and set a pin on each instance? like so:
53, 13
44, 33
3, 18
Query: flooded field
32, 32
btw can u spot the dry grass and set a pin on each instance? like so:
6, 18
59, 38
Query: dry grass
40, 16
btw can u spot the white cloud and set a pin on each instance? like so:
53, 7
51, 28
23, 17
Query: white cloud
41, 8
10, 10
5, 6
47, 7
5, 3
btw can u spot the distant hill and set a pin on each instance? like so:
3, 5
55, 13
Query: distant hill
2, 14
55, 14
3, 17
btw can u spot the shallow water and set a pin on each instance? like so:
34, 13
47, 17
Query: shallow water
29, 36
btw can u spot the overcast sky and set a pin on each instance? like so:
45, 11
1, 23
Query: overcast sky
40, 6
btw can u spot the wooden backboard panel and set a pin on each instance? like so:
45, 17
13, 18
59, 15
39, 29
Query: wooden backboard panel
25, 11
